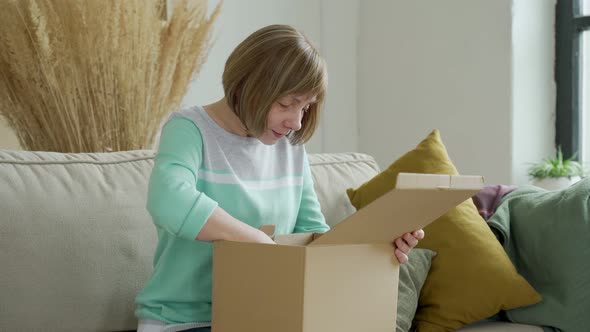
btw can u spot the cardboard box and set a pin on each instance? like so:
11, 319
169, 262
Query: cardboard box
344, 280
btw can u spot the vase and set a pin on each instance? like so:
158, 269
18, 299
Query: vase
556, 183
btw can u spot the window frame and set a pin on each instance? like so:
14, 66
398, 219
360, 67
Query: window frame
569, 25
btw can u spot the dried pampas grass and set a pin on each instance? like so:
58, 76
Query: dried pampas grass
97, 75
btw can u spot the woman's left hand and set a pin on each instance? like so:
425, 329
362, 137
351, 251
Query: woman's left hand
404, 244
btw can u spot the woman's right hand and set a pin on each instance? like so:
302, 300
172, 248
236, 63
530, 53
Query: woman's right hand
250, 234
262, 238
222, 226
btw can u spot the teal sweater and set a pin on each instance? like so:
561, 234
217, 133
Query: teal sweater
198, 167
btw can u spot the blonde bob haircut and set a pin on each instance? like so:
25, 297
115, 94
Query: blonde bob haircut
272, 63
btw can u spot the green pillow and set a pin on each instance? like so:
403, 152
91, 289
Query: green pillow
547, 236
411, 278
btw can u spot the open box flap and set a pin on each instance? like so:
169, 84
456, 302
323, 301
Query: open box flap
417, 200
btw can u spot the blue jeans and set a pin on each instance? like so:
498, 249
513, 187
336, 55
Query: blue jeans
198, 329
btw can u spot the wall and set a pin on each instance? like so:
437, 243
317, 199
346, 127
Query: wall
533, 104
478, 70
335, 35
434, 64
330, 24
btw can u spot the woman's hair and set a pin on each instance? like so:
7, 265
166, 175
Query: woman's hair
271, 63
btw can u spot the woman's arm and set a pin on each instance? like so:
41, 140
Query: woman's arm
222, 226
309, 217
174, 202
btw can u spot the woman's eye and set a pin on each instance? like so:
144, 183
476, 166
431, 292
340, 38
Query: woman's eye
283, 105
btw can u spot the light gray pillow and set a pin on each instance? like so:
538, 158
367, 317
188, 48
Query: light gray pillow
411, 278
76, 241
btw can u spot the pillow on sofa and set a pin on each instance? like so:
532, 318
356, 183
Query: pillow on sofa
471, 278
411, 279
546, 234
76, 241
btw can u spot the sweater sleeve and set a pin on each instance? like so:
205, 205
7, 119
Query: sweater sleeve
173, 200
309, 217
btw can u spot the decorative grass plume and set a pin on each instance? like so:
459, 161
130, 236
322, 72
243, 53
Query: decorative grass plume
97, 75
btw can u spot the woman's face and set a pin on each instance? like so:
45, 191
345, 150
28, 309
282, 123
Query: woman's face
285, 116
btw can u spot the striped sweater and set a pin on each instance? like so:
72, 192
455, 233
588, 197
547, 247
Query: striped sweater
198, 167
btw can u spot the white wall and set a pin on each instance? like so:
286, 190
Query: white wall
330, 24
335, 35
481, 71
533, 107
340, 19
237, 20
429, 64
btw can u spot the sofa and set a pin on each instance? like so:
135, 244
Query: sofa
76, 241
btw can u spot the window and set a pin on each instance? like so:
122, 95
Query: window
572, 73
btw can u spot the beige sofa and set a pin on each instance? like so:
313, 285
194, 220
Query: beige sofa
76, 242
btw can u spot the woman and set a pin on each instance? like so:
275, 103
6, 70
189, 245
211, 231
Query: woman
225, 169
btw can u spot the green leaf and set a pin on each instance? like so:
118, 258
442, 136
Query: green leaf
557, 167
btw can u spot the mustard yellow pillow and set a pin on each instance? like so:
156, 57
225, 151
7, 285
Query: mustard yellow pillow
471, 278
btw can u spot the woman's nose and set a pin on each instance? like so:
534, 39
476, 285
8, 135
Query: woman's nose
294, 121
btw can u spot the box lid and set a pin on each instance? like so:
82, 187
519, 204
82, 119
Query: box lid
417, 200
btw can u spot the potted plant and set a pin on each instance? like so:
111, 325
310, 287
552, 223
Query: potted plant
556, 173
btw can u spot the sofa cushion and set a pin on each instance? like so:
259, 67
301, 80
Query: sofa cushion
76, 240
471, 278
332, 174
